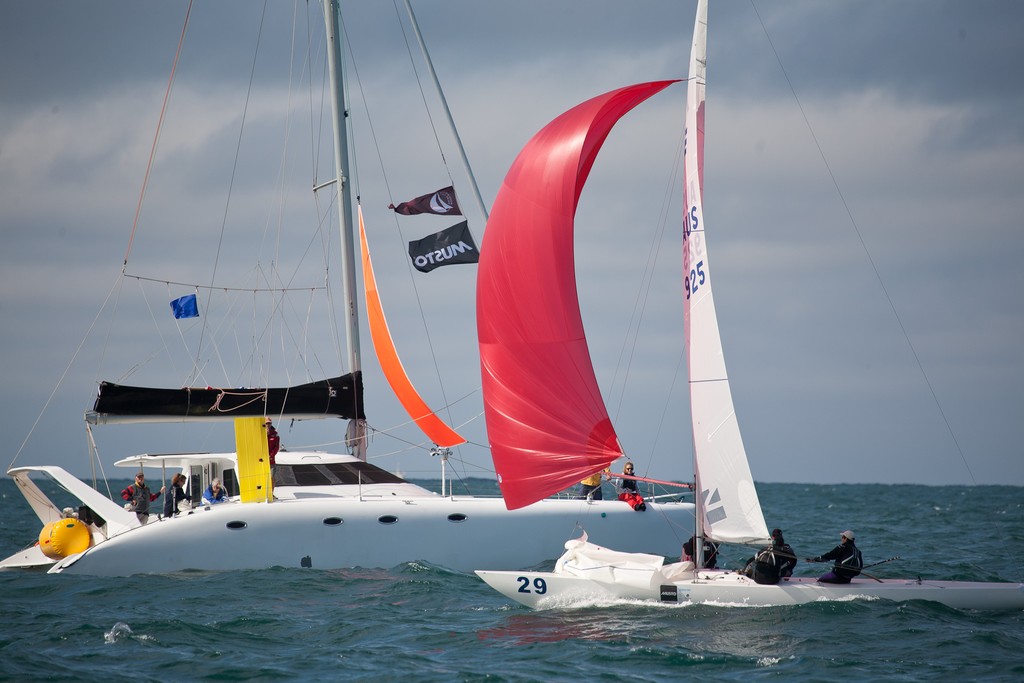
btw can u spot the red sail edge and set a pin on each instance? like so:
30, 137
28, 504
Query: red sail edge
546, 420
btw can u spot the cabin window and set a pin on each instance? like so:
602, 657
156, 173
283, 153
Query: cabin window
230, 481
456, 517
333, 521
387, 519
236, 525
195, 486
327, 474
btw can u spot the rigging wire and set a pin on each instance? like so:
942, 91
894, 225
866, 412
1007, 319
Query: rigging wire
631, 339
444, 161
647, 278
864, 246
231, 181
380, 160
67, 369
680, 363
316, 127
115, 289
156, 135
423, 96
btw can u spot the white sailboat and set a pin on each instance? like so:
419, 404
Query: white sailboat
315, 509
728, 509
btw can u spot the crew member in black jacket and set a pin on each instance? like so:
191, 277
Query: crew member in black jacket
774, 562
847, 560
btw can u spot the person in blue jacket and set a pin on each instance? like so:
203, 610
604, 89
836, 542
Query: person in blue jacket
214, 493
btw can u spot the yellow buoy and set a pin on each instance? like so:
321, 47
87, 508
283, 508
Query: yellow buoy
64, 537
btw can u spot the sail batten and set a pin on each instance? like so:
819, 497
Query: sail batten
546, 420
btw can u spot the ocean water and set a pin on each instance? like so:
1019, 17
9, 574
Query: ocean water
417, 622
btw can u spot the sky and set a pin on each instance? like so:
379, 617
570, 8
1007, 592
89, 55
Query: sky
862, 200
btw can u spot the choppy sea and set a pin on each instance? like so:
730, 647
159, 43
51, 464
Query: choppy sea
418, 622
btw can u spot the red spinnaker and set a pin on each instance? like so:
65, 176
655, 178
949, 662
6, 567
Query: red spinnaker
546, 420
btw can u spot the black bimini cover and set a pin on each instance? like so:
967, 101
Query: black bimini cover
338, 397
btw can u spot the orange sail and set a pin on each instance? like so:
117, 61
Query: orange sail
435, 428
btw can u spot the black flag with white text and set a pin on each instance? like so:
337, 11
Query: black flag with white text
450, 246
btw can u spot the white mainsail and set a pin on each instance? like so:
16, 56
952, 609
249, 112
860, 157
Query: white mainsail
727, 503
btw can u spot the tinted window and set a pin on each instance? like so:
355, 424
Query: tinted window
333, 473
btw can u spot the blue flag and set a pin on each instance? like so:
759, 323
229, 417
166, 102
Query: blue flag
185, 307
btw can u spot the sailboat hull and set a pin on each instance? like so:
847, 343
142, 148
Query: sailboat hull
337, 526
457, 533
542, 590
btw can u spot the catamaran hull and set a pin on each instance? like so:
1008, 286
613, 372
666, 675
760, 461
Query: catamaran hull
541, 590
459, 533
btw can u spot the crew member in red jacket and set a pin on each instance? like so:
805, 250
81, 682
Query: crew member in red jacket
139, 497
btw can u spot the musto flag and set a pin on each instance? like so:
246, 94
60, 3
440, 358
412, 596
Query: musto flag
442, 202
185, 307
451, 245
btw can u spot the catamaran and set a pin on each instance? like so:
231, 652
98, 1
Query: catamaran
306, 508
728, 508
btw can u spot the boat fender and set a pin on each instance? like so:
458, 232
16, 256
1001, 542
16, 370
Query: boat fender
63, 538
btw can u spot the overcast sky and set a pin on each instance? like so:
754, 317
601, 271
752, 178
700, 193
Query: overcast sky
863, 204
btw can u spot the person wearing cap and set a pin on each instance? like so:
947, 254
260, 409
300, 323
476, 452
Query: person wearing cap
773, 563
139, 497
273, 441
273, 446
846, 558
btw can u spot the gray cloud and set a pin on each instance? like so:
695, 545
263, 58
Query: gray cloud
914, 105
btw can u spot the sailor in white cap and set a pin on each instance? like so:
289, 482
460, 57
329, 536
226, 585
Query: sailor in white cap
846, 558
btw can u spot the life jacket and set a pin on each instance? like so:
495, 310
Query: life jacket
138, 496
849, 566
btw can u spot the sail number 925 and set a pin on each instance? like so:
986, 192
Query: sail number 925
695, 279
537, 585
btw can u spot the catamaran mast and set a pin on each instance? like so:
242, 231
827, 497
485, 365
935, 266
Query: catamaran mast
356, 435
